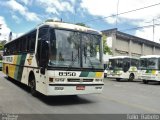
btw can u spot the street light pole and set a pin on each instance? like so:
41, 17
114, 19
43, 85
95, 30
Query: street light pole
153, 29
117, 13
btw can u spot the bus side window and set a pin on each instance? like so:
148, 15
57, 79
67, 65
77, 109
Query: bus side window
32, 41
16, 47
159, 64
23, 47
7, 50
27, 43
20, 46
126, 64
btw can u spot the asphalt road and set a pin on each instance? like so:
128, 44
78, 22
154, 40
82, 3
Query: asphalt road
117, 98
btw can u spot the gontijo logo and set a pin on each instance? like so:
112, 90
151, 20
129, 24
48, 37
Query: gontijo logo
9, 59
30, 59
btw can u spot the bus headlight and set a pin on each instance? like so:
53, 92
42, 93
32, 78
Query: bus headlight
59, 79
56, 79
98, 80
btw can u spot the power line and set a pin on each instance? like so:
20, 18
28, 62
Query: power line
140, 27
122, 13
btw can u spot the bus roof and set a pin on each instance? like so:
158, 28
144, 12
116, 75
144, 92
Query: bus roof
63, 25
150, 56
122, 57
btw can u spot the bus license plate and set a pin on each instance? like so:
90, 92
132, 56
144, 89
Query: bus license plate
80, 87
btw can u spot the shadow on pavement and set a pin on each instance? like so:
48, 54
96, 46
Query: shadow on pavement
152, 83
138, 81
53, 100
63, 100
124, 80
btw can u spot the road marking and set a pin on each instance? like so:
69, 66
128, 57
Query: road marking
131, 105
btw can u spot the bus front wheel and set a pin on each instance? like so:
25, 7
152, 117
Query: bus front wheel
32, 85
145, 81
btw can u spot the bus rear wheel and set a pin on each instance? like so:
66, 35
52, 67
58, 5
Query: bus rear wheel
32, 85
118, 79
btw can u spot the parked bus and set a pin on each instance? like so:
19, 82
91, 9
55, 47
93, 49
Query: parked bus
150, 68
123, 67
57, 58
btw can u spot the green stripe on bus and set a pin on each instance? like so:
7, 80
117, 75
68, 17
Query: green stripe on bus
20, 70
92, 74
84, 74
17, 67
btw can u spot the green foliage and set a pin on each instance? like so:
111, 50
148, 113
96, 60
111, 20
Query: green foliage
2, 44
106, 49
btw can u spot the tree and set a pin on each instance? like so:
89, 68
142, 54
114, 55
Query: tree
2, 43
106, 49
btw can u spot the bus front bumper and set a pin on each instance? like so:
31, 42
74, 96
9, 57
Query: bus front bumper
117, 76
73, 89
150, 78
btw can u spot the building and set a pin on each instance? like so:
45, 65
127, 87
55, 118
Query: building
125, 44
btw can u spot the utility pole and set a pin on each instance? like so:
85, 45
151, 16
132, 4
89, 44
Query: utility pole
117, 13
153, 29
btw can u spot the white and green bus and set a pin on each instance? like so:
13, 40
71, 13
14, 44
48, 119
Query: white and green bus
56, 58
123, 67
149, 68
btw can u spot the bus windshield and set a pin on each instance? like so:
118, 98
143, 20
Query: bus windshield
143, 64
74, 49
116, 64
148, 63
152, 63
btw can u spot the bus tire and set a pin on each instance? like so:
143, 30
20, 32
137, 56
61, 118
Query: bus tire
131, 77
118, 79
105, 75
32, 85
145, 81
7, 73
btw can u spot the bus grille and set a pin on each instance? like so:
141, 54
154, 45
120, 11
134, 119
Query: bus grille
80, 80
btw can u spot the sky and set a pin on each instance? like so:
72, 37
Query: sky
136, 17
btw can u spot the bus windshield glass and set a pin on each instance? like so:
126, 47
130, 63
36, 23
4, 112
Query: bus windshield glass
152, 63
148, 63
74, 49
143, 64
116, 64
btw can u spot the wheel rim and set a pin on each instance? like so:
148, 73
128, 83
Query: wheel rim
131, 77
32, 85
